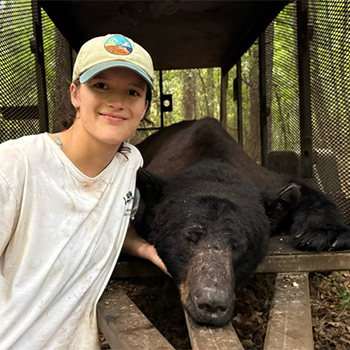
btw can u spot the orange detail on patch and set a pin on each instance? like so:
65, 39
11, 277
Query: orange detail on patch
117, 50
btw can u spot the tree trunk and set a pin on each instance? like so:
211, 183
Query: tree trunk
253, 137
189, 95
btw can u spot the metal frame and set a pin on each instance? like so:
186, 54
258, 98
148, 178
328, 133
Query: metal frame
263, 100
37, 47
304, 35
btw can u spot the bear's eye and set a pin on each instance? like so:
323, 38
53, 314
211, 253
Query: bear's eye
193, 233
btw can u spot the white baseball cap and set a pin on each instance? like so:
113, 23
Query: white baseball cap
109, 51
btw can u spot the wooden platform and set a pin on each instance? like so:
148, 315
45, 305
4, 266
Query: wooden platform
289, 327
125, 326
282, 257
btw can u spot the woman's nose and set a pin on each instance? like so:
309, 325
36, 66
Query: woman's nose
115, 101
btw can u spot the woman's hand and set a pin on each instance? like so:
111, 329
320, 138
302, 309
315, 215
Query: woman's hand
136, 246
152, 255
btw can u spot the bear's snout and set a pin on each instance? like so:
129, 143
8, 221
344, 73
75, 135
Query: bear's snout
212, 301
208, 290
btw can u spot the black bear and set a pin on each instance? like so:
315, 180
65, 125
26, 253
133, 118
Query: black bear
209, 210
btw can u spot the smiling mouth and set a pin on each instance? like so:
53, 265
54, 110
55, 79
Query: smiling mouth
116, 118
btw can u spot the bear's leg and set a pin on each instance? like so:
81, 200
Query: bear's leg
317, 222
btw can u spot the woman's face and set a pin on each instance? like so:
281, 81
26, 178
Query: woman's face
110, 105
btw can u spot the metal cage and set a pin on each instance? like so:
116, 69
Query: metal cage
295, 84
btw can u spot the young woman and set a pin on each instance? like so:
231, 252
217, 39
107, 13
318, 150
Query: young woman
66, 201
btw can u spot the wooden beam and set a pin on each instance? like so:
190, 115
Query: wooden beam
290, 326
282, 257
125, 327
208, 338
311, 262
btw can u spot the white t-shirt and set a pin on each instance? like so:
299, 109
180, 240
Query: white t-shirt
60, 236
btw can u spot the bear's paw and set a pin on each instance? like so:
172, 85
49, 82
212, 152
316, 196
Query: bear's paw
324, 238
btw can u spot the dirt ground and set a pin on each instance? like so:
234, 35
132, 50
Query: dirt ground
158, 299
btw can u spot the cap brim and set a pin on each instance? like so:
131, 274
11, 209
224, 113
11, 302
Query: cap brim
93, 71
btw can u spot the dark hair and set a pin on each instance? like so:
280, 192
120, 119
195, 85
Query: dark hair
65, 116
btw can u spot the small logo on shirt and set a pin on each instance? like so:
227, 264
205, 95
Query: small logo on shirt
128, 198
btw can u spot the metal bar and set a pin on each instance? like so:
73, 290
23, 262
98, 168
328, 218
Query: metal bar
37, 48
71, 60
223, 99
263, 100
304, 88
239, 101
161, 94
151, 128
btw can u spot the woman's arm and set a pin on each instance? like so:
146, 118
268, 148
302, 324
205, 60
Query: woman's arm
136, 246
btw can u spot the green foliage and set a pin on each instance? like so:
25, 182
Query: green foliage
195, 89
343, 295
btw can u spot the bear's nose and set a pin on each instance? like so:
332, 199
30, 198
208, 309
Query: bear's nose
212, 300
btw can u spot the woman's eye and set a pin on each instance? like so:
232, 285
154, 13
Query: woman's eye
133, 93
101, 86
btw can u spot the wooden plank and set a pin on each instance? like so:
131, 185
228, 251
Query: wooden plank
125, 327
290, 326
207, 338
312, 262
273, 263
285, 245
284, 257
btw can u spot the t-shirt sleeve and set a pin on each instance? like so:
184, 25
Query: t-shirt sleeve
8, 205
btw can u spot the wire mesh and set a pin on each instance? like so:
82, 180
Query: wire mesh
328, 26
18, 96
330, 91
283, 93
19, 112
58, 71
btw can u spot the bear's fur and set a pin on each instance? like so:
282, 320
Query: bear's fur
209, 210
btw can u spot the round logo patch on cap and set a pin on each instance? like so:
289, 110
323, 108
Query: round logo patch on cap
118, 45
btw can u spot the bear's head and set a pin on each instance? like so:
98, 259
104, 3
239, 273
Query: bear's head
211, 235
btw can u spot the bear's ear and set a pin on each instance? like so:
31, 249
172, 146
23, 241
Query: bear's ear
279, 203
149, 185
